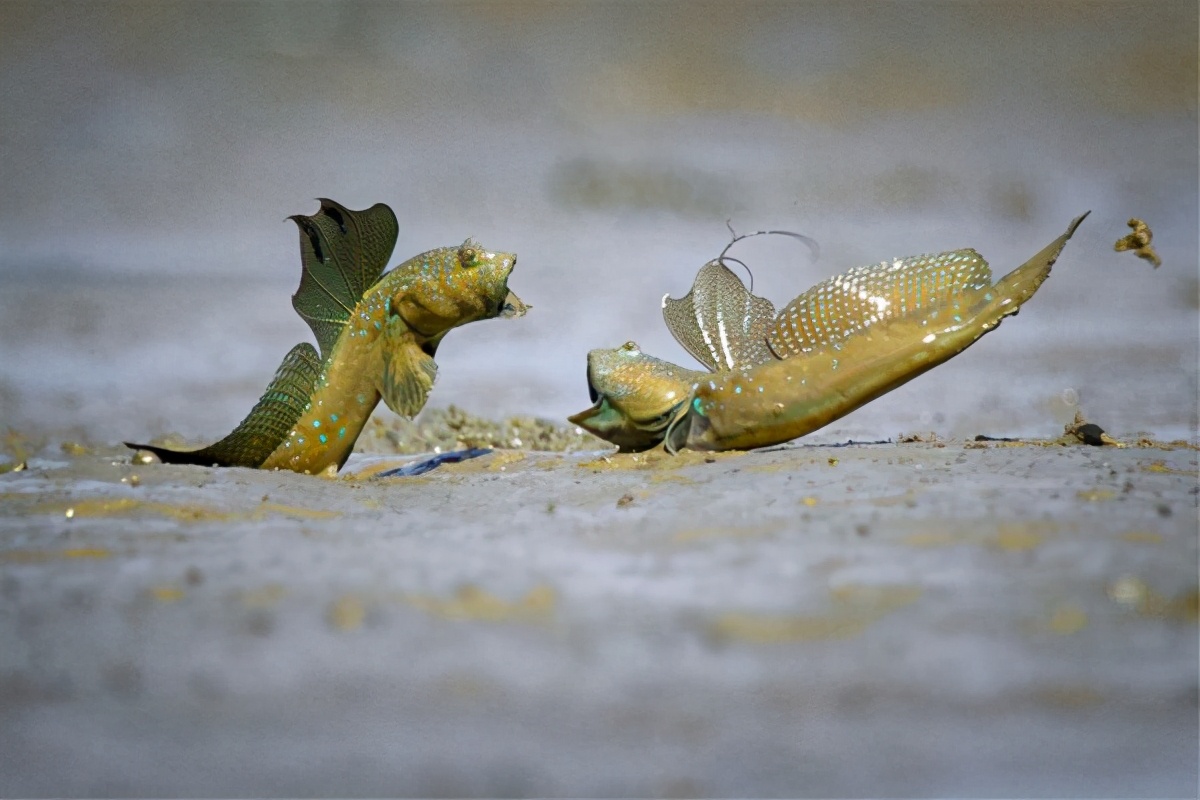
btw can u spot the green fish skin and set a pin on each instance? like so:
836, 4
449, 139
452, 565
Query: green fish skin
377, 335
841, 344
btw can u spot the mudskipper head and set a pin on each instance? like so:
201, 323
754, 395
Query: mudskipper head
451, 286
635, 396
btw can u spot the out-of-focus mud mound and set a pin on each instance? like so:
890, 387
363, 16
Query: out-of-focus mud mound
452, 428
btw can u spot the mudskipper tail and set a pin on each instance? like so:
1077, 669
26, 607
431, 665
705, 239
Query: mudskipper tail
257, 436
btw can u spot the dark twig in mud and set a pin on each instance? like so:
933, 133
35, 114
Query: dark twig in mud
423, 465
795, 445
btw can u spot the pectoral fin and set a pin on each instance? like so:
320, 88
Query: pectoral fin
408, 376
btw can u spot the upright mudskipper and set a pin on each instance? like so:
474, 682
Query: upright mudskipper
377, 333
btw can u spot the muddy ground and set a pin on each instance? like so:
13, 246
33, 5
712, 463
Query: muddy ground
927, 618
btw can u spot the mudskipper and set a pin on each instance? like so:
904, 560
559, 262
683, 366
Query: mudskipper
773, 378
377, 335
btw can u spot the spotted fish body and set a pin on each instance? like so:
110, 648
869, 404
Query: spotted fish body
850, 303
855, 338
377, 336
839, 345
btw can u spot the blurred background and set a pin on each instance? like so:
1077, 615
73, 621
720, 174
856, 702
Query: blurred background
151, 152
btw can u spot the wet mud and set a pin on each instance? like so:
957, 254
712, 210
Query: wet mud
712, 620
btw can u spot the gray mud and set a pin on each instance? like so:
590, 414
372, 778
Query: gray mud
932, 618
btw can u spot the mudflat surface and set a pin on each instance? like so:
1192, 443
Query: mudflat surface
927, 618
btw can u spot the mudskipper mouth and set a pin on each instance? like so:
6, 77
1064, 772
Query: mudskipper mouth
583, 417
512, 306
592, 393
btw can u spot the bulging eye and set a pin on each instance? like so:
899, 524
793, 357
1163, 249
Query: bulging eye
469, 256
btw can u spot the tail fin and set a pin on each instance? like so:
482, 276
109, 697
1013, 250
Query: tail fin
267, 424
1022, 282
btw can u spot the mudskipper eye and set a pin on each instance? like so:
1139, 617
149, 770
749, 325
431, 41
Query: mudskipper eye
469, 256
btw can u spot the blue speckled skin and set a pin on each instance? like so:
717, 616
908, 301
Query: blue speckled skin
394, 329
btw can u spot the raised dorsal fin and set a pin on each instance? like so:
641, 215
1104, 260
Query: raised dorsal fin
719, 321
267, 424
343, 253
838, 307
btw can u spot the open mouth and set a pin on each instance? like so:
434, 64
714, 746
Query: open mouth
512, 306
592, 393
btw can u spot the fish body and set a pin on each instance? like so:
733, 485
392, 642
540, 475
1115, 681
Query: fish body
377, 333
841, 344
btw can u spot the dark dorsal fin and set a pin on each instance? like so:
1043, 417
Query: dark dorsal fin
838, 307
719, 321
342, 254
267, 424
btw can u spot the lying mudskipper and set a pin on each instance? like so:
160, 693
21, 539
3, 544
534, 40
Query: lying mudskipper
377, 335
834, 348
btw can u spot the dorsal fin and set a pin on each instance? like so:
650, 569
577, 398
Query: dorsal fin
839, 306
342, 255
719, 321
267, 424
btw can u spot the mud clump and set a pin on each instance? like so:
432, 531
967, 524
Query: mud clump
439, 430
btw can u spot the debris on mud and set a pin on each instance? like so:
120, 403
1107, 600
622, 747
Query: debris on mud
921, 438
1088, 432
440, 430
1139, 242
